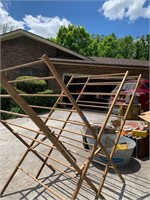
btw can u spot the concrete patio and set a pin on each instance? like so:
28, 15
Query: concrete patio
136, 173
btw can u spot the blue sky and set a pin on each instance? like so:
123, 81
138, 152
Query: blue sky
123, 17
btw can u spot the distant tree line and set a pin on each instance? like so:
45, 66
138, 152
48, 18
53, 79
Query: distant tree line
79, 40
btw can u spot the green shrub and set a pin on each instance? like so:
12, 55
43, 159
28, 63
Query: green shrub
41, 101
9, 105
16, 109
5, 102
31, 86
47, 101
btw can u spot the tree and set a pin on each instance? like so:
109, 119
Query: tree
96, 41
74, 38
141, 48
108, 47
77, 39
125, 47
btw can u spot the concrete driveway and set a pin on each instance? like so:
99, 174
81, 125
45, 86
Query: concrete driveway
136, 173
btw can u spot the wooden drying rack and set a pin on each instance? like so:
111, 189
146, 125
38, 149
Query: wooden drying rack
54, 134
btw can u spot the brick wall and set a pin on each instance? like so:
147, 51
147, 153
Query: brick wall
23, 50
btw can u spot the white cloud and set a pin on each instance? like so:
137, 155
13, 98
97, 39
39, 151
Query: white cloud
43, 26
118, 9
7, 22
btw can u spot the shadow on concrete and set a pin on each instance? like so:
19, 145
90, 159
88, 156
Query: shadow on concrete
132, 167
135, 187
145, 158
59, 183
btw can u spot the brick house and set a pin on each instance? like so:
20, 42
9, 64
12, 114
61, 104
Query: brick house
19, 47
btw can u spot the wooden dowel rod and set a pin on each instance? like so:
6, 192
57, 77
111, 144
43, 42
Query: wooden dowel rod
96, 83
103, 83
79, 141
72, 132
60, 120
35, 140
23, 127
22, 66
50, 190
53, 108
101, 163
92, 106
33, 95
93, 102
5, 96
97, 93
13, 113
37, 78
66, 110
41, 107
42, 95
57, 161
76, 146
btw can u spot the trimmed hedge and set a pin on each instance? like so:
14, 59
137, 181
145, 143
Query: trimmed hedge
31, 86
28, 87
41, 101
